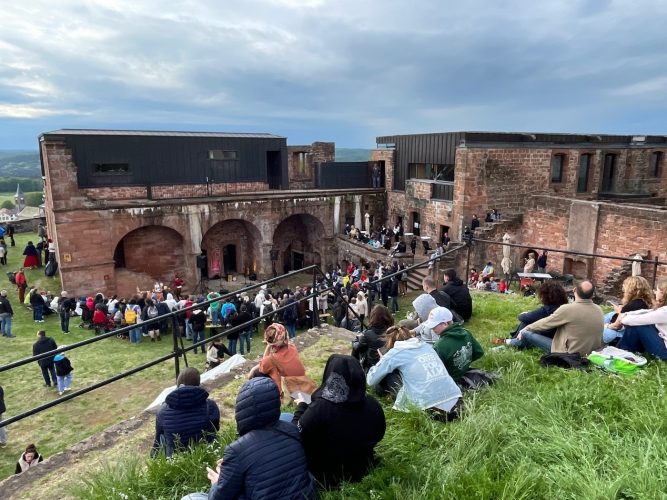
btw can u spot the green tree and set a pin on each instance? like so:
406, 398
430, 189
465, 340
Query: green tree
7, 204
33, 199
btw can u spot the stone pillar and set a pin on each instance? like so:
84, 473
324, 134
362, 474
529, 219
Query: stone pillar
336, 215
357, 212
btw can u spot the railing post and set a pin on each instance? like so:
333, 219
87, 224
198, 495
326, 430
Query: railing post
315, 319
177, 352
465, 278
655, 270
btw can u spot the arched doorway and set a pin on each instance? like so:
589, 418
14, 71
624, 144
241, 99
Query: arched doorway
232, 247
298, 240
148, 254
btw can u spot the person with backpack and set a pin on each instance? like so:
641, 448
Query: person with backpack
132, 313
63, 373
65, 307
151, 312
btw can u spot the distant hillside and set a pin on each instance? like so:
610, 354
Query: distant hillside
350, 154
19, 164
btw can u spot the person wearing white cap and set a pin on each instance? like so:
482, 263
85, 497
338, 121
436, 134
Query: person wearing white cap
456, 347
412, 370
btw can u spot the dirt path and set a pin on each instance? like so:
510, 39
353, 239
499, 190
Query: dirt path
135, 435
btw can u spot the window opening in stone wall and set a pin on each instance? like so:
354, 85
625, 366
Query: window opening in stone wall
223, 154
584, 170
301, 164
608, 173
111, 168
557, 165
656, 163
431, 171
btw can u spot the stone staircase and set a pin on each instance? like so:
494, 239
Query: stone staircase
416, 276
612, 284
487, 229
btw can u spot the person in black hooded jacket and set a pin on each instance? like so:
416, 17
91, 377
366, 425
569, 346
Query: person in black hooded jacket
342, 425
186, 416
458, 293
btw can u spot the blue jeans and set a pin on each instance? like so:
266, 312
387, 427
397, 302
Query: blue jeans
291, 329
198, 336
531, 339
135, 335
188, 329
232, 345
64, 382
3, 433
64, 322
215, 316
244, 337
37, 312
609, 335
394, 304
643, 338
6, 324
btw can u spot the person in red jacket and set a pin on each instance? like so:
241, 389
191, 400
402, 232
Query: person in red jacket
99, 321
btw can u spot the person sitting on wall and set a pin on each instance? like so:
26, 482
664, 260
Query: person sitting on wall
488, 270
488, 217
187, 415
473, 279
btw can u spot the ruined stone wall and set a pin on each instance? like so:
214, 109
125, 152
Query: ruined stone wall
301, 162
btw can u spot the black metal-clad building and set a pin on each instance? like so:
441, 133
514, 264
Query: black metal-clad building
440, 148
145, 158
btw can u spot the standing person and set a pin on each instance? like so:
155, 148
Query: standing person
28, 459
65, 307
63, 373
3, 253
290, 317
362, 306
3, 409
6, 313
413, 245
37, 303
21, 284
52, 250
403, 283
45, 344
198, 322
394, 294
178, 286
41, 232
131, 315
215, 308
474, 223
542, 262
151, 312
529, 265
10, 233
244, 335
30, 253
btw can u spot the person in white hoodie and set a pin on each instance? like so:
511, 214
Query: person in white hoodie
415, 367
423, 305
646, 329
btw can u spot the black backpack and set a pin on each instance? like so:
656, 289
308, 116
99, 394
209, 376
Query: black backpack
11, 277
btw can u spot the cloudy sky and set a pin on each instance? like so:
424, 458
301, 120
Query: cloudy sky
335, 70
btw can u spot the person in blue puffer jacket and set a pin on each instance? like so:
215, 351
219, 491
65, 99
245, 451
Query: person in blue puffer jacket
267, 461
186, 416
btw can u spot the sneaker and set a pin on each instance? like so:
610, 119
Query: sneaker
60, 393
68, 388
47, 385
66, 333
498, 340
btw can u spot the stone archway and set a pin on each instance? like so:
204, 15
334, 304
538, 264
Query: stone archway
149, 253
299, 240
232, 247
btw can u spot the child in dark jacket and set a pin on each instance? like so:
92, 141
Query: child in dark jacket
63, 373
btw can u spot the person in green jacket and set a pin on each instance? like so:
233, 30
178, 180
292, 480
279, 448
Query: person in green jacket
456, 347
215, 308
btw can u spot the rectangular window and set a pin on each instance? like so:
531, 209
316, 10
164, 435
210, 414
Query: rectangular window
584, 169
300, 161
656, 163
221, 154
111, 168
557, 166
431, 171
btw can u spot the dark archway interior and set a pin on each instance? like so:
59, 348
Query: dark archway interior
154, 250
232, 247
299, 241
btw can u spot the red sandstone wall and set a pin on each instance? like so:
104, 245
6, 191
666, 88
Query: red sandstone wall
318, 152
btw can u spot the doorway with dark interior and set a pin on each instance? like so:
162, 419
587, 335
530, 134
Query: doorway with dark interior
416, 224
273, 170
608, 173
229, 259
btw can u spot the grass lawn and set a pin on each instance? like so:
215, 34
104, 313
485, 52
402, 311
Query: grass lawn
536, 433
58, 428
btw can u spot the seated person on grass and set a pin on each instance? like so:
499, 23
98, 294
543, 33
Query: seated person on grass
456, 347
186, 416
637, 295
646, 330
342, 425
413, 373
423, 305
267, 460
552, 295
578, 325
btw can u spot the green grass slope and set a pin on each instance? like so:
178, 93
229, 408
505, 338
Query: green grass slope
536, 433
